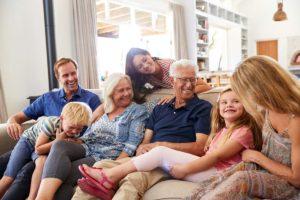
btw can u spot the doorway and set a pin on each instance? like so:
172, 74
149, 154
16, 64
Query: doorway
267, 48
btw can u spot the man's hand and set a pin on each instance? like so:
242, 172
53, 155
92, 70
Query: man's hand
144, 148
178, 171
14, 130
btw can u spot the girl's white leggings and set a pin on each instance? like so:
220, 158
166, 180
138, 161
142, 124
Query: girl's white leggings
165, 157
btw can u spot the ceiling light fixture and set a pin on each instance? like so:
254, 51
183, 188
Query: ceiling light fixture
280, 15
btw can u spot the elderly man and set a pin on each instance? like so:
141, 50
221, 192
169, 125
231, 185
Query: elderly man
182, 124
49, 104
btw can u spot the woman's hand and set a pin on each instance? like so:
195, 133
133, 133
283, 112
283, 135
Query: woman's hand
74, 140
250, 155
178, 171
164, 100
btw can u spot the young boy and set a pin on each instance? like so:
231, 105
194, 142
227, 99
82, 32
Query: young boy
36, 142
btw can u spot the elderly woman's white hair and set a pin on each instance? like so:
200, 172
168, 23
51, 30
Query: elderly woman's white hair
183, 63
109, 85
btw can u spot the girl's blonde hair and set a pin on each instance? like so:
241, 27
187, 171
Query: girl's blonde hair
218, 122
78, 113
260, 80
109, 86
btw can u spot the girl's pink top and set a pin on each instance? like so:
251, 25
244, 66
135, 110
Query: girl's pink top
241, 135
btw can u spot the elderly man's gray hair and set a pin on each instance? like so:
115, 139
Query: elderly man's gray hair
183, 63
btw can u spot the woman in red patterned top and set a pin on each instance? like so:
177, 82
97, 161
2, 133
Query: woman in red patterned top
150, 73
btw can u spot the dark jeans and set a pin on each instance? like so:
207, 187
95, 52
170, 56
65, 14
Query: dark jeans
19, 189
4, 158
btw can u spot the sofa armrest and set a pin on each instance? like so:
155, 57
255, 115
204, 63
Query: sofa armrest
7, 143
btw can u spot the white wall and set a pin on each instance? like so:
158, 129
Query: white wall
234, 47
262, 27
64, 28
23, 59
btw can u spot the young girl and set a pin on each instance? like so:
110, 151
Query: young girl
36, 142
233, 130
273, 172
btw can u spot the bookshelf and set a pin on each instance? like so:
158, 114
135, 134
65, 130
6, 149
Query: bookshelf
202, 41
244, 41
210, 14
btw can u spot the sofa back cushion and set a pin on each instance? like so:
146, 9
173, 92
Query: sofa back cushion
211, 95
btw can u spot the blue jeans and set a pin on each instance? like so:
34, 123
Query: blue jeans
20, 155
4, 158
19, 190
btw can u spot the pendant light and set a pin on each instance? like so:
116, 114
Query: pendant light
279, 15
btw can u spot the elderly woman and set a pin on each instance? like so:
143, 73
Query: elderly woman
115, 135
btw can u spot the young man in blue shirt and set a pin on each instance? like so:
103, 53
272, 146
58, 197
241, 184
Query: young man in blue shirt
49, 104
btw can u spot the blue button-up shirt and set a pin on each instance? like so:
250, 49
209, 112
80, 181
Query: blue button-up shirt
106, 139
180, 125
52, 103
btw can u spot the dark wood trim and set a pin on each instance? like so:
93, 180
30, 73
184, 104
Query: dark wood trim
50, 42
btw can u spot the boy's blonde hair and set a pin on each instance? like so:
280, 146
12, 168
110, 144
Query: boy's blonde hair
78, 113
218, 122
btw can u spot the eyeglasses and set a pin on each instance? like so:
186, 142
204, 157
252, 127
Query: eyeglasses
185, 80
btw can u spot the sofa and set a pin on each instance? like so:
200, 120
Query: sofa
167, 189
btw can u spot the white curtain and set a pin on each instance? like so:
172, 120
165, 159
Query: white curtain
180, 39
85, 42
3, 113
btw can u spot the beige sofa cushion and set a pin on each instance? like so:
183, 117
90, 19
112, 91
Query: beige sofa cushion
211, 95
170, 189
6, 143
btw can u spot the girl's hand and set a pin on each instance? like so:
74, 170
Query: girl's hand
178, 171
250, 155
165, 100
